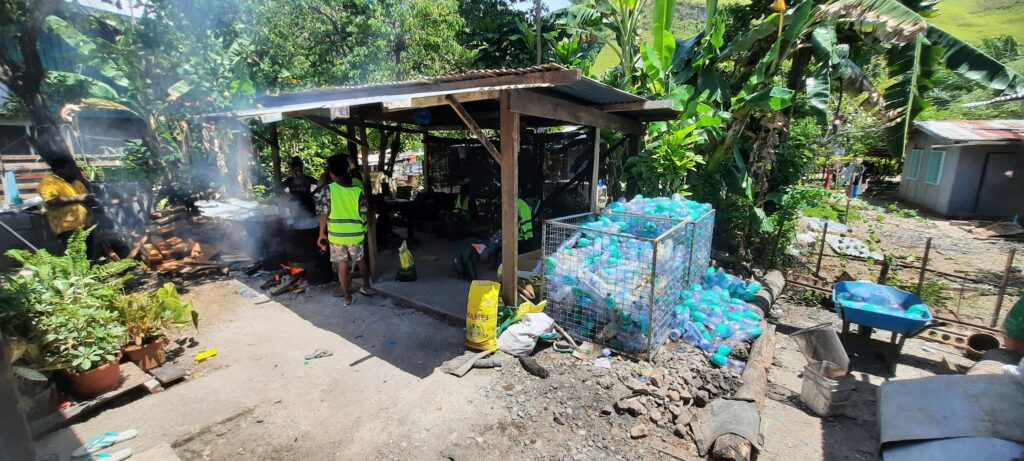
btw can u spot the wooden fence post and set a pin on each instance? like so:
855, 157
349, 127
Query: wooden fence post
821, 250
924, 265
1002, 287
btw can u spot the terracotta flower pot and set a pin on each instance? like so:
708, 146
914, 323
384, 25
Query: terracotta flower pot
97, 381
149, 355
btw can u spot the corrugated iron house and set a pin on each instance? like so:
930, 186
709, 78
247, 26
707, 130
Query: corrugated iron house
966, 168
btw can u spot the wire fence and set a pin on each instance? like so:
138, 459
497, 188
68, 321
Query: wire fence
620, 289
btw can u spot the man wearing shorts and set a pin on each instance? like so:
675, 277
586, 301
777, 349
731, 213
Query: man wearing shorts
342, 226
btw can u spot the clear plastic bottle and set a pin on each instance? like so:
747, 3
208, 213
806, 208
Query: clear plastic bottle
602, 194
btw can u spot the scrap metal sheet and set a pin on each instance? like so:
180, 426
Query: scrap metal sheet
942, 407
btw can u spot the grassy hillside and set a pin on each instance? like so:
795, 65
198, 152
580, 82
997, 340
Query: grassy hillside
972, 20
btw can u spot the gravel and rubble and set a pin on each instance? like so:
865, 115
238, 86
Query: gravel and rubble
635, 410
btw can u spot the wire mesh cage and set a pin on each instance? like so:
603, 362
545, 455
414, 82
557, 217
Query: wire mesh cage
620, 289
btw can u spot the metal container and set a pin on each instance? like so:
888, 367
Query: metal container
820, 343
823, 395
629, 306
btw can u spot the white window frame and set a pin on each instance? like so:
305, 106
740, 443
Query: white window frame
913, 169
942, 162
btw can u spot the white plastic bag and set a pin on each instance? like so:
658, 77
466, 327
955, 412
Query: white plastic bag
520, 338
1017, 371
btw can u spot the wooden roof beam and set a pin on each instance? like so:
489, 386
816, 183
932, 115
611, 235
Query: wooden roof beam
638, 106
473, 127
539, 105
326, 125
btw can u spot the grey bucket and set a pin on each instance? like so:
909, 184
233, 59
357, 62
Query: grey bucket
823, 395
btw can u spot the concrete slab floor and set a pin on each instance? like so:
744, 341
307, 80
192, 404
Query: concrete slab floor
379, 396
438, 288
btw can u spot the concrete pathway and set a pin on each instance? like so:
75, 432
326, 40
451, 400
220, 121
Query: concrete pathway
378, 397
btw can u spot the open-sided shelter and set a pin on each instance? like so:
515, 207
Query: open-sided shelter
505, 100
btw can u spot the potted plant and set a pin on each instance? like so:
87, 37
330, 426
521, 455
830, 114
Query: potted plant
62, 305
85, 343
148, 317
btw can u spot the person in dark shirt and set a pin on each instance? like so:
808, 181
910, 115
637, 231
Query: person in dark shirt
300, 187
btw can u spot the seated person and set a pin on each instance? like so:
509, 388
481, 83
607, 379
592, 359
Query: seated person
67, 199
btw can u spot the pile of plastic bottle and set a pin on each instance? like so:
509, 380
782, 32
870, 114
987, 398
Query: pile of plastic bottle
676, 207
603, 277
879, 302
715, 317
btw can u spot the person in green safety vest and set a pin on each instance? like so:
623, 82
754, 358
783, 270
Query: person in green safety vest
343, 226
461, 208
525, 220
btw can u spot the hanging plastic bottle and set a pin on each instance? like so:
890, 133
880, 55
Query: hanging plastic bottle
11, 188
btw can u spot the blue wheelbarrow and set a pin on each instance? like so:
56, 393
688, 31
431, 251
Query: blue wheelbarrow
870, 306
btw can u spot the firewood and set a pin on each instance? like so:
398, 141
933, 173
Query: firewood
137, 247
151, 256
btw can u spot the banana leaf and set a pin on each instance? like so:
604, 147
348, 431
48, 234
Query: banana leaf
817, 88
972, 64
887, 20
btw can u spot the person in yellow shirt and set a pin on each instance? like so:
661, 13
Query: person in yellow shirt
67, 199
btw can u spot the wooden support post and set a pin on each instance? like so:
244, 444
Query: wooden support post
275, 153
426, 164
924, 265
509, 193
596, 170
371, 225
846, 215
1002, 287
821, 251
632, 150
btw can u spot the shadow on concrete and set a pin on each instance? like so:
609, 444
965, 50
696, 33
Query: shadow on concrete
404, 337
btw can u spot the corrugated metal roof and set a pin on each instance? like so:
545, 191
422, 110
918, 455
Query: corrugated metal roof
974, 130
554, 78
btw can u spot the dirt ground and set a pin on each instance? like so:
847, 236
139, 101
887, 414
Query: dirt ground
381, 396
968, 268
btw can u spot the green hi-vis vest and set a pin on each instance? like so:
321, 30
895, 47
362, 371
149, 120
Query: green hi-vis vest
462, 205
525, 220
345, 225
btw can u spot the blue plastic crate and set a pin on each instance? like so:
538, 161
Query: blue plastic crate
878, 294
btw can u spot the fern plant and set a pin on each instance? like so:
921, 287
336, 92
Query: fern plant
63, 305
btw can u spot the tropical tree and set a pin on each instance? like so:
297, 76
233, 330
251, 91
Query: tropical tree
22, 71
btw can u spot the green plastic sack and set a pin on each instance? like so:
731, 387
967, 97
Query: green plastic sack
1013, 326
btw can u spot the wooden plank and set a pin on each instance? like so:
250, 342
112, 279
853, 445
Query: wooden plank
596, 170
474, 128
638, 105
442, 98
131, 377
526, 102
509, 195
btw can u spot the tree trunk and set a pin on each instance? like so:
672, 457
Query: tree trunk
25, 79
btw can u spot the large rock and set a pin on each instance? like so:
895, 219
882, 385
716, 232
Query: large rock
631, 406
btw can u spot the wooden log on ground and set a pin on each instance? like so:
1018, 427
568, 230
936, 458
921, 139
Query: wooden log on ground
754, 388
771, 288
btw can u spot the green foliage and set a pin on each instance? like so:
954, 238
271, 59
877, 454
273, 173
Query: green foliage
61, 305
149, 315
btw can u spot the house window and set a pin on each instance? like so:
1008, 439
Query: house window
913, 164
935, 166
